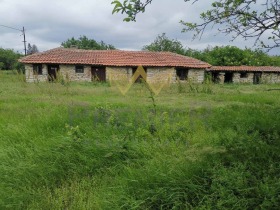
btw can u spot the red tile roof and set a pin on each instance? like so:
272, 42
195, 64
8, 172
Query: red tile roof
246, 68
113, 58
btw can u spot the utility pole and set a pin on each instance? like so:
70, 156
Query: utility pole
24, 41
23, 33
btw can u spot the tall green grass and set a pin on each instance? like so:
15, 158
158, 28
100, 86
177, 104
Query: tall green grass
85, 146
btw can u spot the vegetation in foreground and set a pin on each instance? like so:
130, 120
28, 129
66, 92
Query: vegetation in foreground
85, 146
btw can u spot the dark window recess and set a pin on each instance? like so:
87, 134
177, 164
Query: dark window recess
79, 69
182, 73
257, 78
215, 77
243, 75
228, 77
37, 69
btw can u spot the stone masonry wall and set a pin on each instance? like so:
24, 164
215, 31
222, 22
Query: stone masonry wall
270, 77
154, 74
31, 77
248, 79
161, 74
118, 73
237, 78
266, 77
68, 72
196, 75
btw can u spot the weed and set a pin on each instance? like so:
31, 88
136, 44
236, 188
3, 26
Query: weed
97, 149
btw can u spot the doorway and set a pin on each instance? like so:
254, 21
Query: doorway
215, 77
52, 72
257, 78
228, 77
98, 73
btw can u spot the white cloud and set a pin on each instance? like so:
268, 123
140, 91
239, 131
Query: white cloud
50, 22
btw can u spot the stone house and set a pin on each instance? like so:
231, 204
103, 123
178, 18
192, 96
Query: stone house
88, 65
245, 74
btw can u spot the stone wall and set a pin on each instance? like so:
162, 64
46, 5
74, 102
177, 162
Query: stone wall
68, 72
238, 79
65, 71
270, 77
221, 78
248, 79
118, 73
31, 77
266, 77
154, 74
196, 75
161, 74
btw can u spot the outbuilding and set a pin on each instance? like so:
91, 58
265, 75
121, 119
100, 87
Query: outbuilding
88, 65
245, 74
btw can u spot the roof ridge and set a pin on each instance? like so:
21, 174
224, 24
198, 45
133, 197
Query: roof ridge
63, 55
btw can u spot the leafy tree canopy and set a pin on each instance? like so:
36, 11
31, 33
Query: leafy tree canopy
85, 43
255, 19
233, 56
217, 56
163, 43
9, 59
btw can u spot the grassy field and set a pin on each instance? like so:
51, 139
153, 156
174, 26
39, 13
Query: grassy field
86, 146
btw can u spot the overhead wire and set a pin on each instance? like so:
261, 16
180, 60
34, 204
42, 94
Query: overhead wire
23, 33
11, 27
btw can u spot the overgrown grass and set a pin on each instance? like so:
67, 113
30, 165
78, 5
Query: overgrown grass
85, 146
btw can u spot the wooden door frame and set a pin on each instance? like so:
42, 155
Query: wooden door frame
257, 77
102, 76
52, 75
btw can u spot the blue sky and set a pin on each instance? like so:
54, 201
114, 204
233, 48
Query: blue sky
50, 22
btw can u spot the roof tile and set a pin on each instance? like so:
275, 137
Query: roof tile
114, 58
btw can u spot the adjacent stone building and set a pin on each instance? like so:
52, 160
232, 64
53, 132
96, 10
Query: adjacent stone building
245, 74
88, 65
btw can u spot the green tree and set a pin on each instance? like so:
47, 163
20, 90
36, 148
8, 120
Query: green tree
242, 18
163, 43
85, 43
2, 65
224, 56
217, 56
233, 56
195, 54
31, 49
275, 60
9, 59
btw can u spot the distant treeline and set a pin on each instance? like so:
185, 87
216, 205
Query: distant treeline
217, 56
233, 56
9, 59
